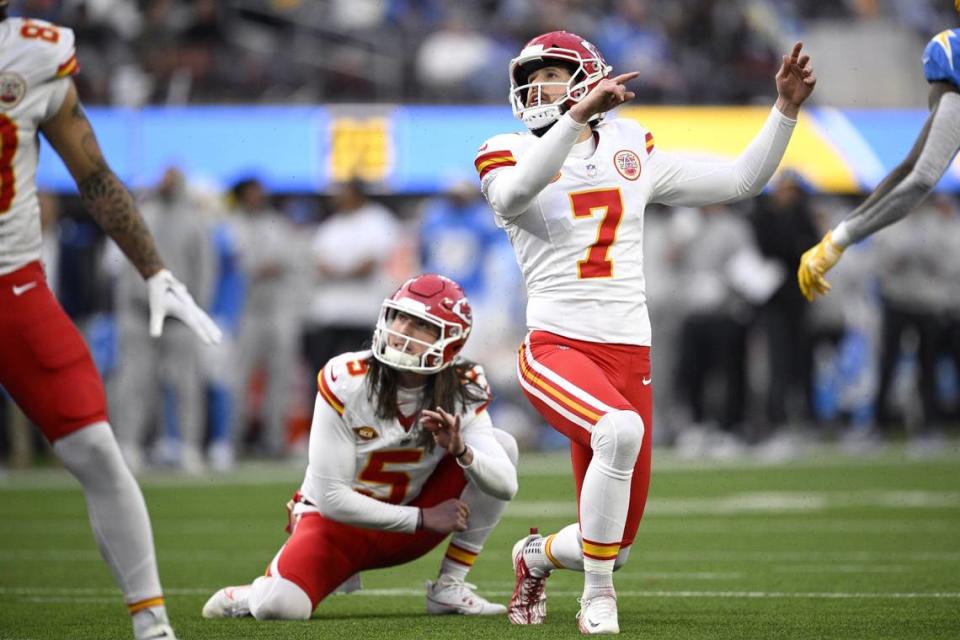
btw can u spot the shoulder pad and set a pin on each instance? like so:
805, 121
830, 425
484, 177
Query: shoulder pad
341, 377
497, 152
50, 48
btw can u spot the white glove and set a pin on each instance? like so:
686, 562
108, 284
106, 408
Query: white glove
169, 296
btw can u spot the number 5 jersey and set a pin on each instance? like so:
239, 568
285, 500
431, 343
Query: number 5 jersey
363, 469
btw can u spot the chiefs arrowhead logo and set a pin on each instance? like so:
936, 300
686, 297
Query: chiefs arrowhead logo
366, 433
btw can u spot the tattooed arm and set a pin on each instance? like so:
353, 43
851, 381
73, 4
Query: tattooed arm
104, 196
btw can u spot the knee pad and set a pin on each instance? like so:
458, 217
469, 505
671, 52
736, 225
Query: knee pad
509, 444
275, 598
616, 440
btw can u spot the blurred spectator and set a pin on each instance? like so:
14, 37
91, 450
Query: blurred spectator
713, 333
150, 369
456, 235
179, 51
633, 41
270, 326
352, 249
226, 307
917, 265
660, 234
450, 61
783, 226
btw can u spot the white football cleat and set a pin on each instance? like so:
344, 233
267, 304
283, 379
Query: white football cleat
161, 631
229, 602
452, 595
528, 605
598, 615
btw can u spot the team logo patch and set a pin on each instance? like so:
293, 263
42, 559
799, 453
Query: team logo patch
12, 89
627, 164
365, 433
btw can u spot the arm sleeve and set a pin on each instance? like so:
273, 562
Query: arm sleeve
330, 474
682, 181
491, 469
511, 189
902, 190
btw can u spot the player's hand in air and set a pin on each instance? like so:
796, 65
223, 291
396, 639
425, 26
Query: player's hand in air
609, 93
446, 517
445, 428
169, 296
795, 81
814, 264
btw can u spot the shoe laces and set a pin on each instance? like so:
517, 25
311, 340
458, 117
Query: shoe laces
531, 586
603, 606
457, 584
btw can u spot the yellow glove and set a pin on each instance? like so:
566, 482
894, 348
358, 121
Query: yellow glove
814, 263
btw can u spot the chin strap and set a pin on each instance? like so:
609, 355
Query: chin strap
400, 358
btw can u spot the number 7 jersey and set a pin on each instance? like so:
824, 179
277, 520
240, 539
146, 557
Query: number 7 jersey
34, 55
580, 242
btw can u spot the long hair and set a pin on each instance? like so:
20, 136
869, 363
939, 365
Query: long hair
451, 389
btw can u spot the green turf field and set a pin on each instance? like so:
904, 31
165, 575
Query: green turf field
830, 547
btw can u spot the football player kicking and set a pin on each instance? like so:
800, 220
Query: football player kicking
909, 183
402, 453
44, 362
571, 195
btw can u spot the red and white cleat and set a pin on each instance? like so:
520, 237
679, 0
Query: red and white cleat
528, 605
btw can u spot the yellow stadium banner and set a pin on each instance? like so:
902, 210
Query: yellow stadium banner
723, 132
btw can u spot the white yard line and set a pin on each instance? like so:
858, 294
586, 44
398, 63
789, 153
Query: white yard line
642, 557
37, 594
531, 465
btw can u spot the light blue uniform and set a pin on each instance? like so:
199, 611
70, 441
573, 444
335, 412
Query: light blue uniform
941, 63
941, 58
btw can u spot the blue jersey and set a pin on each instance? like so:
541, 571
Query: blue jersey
456, 241
941, 58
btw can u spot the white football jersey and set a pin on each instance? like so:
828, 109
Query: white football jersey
391, 465
580, 243
34, 56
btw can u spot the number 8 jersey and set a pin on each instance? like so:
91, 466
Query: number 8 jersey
34, 55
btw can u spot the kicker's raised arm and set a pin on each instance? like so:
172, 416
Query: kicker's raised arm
688, 182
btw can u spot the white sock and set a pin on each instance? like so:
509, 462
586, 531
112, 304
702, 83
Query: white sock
563, 549
597, 584
605, 496
485, 514
465, 546
118, 516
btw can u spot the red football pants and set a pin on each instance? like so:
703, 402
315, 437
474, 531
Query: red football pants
322, 553
44, 363
573, 383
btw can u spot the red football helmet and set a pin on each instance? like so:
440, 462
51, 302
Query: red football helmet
437, 300
562, 48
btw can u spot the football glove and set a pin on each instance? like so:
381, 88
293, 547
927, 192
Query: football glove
814, 264
169, 296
